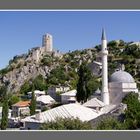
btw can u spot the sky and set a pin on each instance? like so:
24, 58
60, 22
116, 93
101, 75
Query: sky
71, 30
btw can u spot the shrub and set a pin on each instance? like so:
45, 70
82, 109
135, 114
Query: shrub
40, 83
132, 114
66, 124
110, 124
26, 87
14, 99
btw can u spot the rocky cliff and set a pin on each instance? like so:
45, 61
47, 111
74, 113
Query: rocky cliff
25, 67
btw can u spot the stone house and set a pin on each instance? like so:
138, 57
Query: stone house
20, 109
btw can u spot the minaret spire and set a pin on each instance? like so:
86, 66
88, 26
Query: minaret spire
104, 52
103, 34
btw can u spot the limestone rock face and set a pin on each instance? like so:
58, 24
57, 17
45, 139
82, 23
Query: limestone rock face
27, 70
16, 78
25, 67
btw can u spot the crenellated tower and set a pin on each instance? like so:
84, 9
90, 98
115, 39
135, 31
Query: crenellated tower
47, 42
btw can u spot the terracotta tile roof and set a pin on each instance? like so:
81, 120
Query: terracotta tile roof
22, 103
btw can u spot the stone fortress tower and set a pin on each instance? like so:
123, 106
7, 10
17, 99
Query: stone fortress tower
37, 53
47, 42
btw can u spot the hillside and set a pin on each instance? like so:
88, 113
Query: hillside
62, 70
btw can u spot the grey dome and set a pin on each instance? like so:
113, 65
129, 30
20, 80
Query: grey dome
121, 77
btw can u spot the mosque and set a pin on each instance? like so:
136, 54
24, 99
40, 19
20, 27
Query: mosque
119, 84
113, 90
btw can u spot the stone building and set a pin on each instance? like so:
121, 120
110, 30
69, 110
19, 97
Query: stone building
120, 84
47, 42
113, 90
20, 109
35, 54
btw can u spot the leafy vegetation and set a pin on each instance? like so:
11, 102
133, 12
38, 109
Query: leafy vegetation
121, 52
13, 99
132, 50
58, 76
5, 70
26, 87
40, 83
33, 104
5, 110
3, 91
86, 84
132, 114
110, 124
66, 124
13, 64
131, 119
64, 71
47, 60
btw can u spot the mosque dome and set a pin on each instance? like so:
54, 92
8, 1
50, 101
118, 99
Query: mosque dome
121, 77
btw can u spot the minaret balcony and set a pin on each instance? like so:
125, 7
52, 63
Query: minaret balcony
105, 52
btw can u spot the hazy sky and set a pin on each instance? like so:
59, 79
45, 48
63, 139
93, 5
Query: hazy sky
71, 30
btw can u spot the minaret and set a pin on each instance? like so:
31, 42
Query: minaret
104, 53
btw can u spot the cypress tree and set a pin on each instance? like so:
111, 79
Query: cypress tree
33, 103
80, 87
83, 91
5, 109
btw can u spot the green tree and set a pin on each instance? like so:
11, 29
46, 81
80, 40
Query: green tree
13, 99
5, 109
3, 91
83, 90
66, 124
122, 43
26, 87
93, 84
132, 114
112, 43
33, 104
6, 70
58, 76
46, 61
40, 83
110, 124
132, 50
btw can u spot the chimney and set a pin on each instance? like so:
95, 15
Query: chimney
38, 115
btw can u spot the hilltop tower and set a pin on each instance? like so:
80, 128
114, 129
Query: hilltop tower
47, 42
104, 54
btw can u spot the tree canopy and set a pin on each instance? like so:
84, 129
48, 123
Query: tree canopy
40, 83
131, 119
110, 124
3, 91
66, 124
85, 85
26, 87
13, 99
33, 104
5, 110
132, 114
